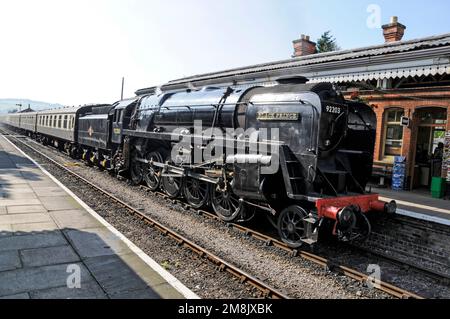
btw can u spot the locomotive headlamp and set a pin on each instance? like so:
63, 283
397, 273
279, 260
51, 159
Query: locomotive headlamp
327, 143
346, 218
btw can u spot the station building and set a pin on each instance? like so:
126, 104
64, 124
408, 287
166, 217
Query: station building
407, 83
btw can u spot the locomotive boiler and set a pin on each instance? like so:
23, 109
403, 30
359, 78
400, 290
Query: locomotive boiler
298, 152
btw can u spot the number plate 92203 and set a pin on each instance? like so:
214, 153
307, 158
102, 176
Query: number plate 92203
333, 109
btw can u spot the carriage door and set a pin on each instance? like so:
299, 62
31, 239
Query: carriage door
117, 120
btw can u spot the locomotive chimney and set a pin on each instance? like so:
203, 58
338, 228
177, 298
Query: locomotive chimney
303, 46
393, 31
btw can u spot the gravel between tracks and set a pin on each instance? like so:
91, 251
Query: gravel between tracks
296, 277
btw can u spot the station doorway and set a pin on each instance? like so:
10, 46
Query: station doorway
431, 128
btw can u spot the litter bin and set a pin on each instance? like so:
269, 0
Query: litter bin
437, 187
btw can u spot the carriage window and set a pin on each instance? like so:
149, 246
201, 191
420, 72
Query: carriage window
59, 121
394, 133
54, 120
65, 122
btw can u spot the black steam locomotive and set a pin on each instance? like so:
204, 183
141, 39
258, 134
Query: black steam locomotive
298, 152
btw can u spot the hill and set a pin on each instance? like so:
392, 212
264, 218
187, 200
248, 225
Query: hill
8, 105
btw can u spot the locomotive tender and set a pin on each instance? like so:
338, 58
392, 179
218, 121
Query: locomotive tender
298, 152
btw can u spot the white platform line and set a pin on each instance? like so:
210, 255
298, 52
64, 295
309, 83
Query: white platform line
434, 219
174, 282
424, 217
400, 202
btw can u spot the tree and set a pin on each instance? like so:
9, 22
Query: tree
327, 43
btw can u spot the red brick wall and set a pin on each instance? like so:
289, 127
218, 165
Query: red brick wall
409, 100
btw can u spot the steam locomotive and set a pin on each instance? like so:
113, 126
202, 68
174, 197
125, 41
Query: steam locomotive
299, 153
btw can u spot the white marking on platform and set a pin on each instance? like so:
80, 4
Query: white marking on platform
424, 217
400, 202
174, 282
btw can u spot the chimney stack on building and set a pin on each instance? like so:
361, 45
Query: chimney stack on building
393, 31
303, 46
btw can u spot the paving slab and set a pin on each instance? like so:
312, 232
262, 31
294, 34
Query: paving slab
5, 195
38, 278
147, 293
16, 297
32, 241
88, 290
115, 275
19, 202
40, 184
17, 188
6, 230
25, 218
34, 228
49, 191
9, 260
26, 209
59, 203
2, 210
5, 162
77, 219
167, 292
48, 256
96, 242
10, 179
33, 175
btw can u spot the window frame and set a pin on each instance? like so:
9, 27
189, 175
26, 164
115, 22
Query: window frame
398, 123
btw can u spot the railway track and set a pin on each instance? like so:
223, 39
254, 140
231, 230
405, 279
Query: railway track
316, 259
265, 290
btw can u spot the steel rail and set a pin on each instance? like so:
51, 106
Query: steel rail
244, 277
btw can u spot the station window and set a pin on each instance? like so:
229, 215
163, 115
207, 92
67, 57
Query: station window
393, 137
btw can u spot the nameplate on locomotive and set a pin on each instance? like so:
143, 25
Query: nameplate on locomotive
266, 116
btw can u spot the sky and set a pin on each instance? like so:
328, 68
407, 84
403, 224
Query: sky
75, 52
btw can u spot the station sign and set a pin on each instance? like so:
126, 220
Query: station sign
406, 121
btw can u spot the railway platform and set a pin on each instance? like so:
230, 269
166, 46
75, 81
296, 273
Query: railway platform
53, 246
417, 204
